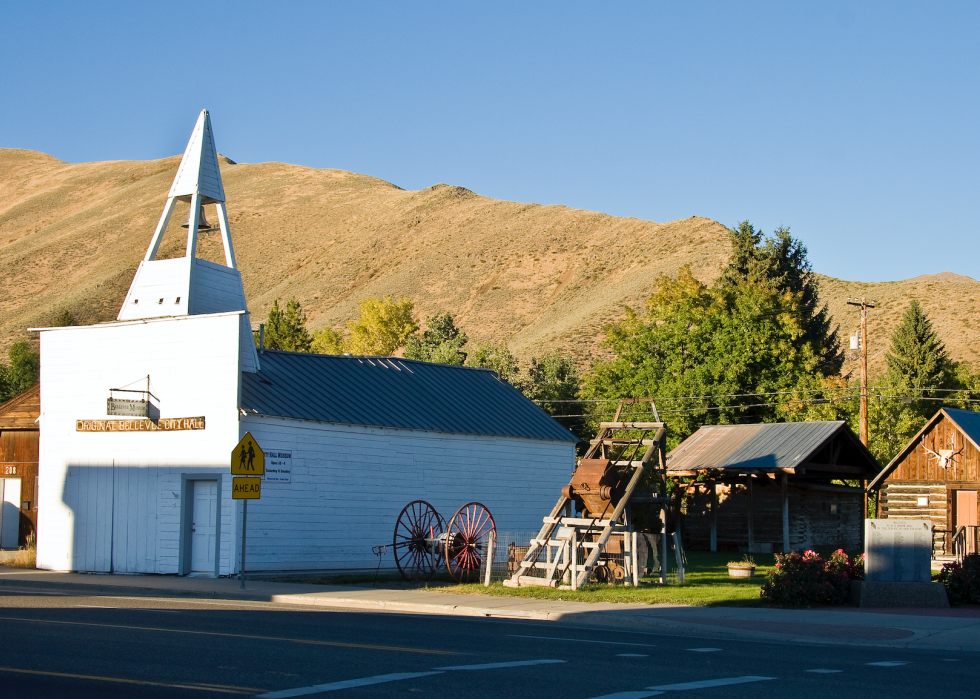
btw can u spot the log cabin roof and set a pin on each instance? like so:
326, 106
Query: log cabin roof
397, 393
966, 422
788, 447
22, 411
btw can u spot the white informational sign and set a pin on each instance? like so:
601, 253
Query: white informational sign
278, 466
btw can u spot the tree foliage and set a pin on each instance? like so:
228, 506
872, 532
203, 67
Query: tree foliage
327, 341
442, 342
729, 352
917, 360
286, 329
497, 357
383, 327
23, 371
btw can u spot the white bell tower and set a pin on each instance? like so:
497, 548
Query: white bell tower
189, 285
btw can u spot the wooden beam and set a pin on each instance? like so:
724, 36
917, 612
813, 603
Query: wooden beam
750, 516
835, 468
714, 516
785, 489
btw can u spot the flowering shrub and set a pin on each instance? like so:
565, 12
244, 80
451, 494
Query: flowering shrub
808, 579
962, 581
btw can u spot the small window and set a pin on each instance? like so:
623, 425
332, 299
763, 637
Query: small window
178, 300
923, 501
136, 301
160, 301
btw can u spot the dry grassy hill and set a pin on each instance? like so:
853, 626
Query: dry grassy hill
537, 277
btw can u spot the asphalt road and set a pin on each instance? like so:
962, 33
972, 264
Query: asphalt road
60, 645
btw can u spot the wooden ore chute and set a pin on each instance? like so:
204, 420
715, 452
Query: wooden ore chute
605, 480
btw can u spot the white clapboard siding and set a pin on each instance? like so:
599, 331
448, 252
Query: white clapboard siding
198, 170
160, 288
215, 289
111, 500
349, 484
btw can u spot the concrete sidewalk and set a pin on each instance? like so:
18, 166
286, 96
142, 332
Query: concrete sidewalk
957, 629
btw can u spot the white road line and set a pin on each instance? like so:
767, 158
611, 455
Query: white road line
583, 640
951, 660
346, 684
704, 650
628, 695
632, 655
823, 671
494, 666
887, 663
712, 683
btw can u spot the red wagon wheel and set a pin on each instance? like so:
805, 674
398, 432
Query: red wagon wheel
467, 541
417, 531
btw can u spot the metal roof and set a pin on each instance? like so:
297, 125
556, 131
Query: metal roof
764, 447
395, 393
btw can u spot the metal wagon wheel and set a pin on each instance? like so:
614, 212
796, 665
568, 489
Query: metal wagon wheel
417, 531
467, 541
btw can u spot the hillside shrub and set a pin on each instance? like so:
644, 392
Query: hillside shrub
962, 580
807, 579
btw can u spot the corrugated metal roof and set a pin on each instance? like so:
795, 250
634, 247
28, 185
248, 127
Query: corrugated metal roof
768, 446
395, 393
968, 421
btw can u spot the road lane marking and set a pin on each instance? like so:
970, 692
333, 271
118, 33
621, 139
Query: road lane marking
704, 650
225, 689
632, 655
582, 640
887, 663
822, 671
951, 660
628, 695
704, 684
336, 644
494, 666
345, 684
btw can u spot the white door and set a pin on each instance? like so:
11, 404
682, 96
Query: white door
204, 526
10, 519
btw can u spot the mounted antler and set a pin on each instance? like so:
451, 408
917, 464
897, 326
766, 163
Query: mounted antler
945, 457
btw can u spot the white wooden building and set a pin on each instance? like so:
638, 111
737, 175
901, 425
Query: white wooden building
354, 439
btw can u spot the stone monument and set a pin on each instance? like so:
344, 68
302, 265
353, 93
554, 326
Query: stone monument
898, 566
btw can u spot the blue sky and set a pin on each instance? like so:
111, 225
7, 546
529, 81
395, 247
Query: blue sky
855, 124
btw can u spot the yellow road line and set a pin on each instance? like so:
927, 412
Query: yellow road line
226, 689
337, 644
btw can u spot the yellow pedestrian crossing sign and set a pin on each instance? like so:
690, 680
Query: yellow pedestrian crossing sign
248, 459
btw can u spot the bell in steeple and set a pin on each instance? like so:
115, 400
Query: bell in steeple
202, 223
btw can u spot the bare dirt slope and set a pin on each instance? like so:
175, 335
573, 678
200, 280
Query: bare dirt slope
537, 277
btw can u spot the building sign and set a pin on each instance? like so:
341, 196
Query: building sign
167, 424
246, 488
128, 408
247, 458
898, 550
8, 470
278, 466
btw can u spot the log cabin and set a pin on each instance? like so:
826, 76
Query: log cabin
937, 477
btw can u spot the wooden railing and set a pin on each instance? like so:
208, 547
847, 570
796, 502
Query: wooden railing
964, 542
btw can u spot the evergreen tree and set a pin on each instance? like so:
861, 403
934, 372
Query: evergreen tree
441, 343
286, 329
64, 319
917, 359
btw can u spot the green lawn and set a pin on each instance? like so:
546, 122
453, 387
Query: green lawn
706, 584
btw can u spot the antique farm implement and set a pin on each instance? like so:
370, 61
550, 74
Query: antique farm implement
423, 542
571, 549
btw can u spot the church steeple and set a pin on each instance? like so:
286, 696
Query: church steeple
189, 285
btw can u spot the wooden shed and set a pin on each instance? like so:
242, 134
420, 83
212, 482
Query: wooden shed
937, 477
19, 438
773, 486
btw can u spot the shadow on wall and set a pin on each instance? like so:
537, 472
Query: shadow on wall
127, 519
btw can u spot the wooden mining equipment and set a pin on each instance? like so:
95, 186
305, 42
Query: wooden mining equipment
570, 550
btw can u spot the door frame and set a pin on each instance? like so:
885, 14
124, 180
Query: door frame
186, 516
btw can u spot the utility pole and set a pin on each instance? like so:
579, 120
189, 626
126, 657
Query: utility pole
864, 305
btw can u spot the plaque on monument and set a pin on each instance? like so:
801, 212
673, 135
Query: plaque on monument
898, 550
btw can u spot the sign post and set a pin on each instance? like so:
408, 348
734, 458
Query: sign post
247, 462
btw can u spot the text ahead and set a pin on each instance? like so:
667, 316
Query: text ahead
167, 424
